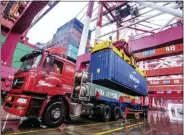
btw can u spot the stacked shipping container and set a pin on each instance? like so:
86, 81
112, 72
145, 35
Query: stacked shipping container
110, 70
69, 36
19, 52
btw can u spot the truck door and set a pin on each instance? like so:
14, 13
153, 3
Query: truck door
53, 79
68, 77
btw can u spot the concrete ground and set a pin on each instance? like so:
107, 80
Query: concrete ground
157, 123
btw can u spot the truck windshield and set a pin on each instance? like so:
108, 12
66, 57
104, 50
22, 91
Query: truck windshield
31, 62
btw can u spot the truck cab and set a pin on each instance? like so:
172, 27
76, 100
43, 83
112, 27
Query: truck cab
43, 77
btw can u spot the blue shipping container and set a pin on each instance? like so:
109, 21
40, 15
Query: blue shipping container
74, 23
67, 40
71, 24
74, 26
111, 71
68, 35
80, 24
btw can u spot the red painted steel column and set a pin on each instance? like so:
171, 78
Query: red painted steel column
99, 20
8, 48
143, 101
156, 102
117, 33
153, 101
150, 101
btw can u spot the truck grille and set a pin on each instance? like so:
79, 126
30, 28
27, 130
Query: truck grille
18, 82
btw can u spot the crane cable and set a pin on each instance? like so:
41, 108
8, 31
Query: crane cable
82, 10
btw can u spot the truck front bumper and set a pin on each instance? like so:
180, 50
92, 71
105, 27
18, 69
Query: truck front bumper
17, 104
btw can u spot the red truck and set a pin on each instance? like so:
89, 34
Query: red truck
43, 87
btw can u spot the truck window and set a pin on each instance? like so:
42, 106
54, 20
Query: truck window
57, 67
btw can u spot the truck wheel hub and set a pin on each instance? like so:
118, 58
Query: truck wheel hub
117, 113
107, 113
56, 113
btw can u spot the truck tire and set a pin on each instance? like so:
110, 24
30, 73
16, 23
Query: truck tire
54, 114
106, 113
116, 113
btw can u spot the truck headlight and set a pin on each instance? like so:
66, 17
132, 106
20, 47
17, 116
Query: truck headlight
22, 100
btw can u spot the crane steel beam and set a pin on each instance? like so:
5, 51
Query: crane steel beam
168, 63
138, 29
18, 29
166, 82
107, 9
42, 15
153, 65
111, 9
165, 92
167, 37
168, 10
160, 52
165, 88
115, 7
136, 22
164, 71
166, 96
167, 23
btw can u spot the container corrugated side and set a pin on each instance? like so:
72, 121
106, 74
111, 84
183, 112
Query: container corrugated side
16, 62
73, 21
2, 39
73, 42
71, 54
80, 24
70, 25
73, 48
75, 24
67, 40
111, 71
24, 47
68, 35
19, 52
72, 30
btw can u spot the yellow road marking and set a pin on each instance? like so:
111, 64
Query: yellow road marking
26, 132
95, 124
51, 129
117, 129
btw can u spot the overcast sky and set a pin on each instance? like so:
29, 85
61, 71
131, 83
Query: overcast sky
44, 30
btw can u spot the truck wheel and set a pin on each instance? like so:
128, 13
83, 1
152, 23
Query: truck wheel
54, 114
106, 114
116, 113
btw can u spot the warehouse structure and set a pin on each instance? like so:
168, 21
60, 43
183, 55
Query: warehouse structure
149, 33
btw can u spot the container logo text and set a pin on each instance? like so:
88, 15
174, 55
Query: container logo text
136, 80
